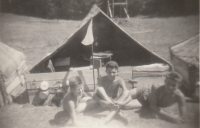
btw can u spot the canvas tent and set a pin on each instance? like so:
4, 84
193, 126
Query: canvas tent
55, 68
108, 37
185, 59
12, 67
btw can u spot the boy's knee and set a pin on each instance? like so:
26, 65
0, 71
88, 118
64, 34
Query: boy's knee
100, 89
126, 92
85, 99
81, 107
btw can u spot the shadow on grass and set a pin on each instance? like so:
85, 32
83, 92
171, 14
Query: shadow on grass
146, 113
60, 119
101, 113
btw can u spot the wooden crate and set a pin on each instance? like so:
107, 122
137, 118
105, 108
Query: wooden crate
54, 80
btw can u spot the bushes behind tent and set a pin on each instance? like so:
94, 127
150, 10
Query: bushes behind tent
62, 9
163, 7
77, 9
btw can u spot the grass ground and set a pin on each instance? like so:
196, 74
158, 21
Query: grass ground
23, 116
37, 37
34, 36
158, 34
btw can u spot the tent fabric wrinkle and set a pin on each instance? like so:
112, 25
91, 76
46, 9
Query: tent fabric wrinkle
185, 60
11, 59
188, 51
13, 64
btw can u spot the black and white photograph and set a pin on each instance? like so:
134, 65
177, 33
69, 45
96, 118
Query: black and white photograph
99, 64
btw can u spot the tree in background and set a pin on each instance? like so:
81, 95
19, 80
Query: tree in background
78, 9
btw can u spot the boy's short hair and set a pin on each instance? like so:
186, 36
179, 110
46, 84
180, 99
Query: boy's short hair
74, 81
112, 64
174, 76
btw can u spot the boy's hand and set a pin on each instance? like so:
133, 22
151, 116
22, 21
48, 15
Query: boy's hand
118, 103
113, 106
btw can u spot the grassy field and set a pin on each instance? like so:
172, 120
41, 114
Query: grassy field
158, 34
34, 36
37, 37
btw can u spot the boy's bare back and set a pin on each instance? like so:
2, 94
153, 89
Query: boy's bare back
164, 99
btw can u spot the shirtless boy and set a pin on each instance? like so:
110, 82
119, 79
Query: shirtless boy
107, 92
156, 96
74, 101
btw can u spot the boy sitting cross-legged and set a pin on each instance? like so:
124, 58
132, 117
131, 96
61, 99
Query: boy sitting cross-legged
107, 92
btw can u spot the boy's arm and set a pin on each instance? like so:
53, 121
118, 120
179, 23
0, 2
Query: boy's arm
122, 103
65, 86
84, 95
85, 98
122, 85
72, 112
103, 103
124, 89
101, 93
153, 106
101, 97
125, 93
181, 104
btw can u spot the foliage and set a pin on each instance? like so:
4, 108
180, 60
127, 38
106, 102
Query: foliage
163, 7
77, 9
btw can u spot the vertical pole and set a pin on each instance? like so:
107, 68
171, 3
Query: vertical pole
120, 10
93, 65
113, 2
107, 7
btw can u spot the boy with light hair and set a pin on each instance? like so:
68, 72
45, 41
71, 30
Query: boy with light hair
74, 101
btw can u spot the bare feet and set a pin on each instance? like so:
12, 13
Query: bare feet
125, 120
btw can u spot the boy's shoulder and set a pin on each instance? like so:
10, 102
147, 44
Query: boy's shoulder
178, 93
118, 78
68, 96
157, 86
105, 78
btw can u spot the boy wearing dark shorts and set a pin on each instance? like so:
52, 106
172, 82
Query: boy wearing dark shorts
157, 96
107, 92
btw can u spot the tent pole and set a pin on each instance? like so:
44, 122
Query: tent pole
93, 65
